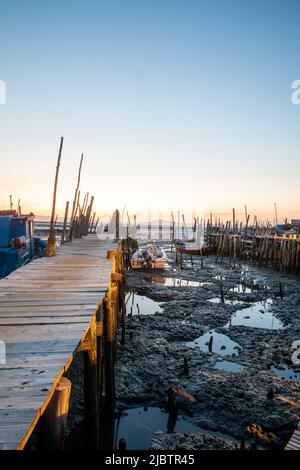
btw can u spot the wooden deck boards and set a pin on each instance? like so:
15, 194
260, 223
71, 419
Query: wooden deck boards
45, 311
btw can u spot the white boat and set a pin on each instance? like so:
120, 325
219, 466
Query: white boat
196, 247
148, 258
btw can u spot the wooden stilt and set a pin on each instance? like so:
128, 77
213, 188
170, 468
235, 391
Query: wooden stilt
91, 386
52, 425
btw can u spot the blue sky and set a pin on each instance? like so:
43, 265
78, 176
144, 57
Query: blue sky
174, 103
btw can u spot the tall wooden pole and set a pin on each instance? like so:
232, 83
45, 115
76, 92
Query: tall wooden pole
63, 235
117, 225
51, 239
75, 197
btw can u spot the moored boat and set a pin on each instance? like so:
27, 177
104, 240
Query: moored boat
148, 258
195, 247
17, 242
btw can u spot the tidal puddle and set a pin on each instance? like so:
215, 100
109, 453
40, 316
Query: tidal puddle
217, 300
141, 305
138, 425
215, 343
229, 366
219, 277
258, 315
243, 288
178, 282
285, 372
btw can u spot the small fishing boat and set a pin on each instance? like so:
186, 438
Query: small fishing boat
190, 248
196, 247
18, 245
148, 258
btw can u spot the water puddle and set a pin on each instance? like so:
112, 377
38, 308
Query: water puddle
243, 288
219, 344
141, 305
258, 315
285, 372
217, 300
219, 277
229, 366
138, 425
178, 282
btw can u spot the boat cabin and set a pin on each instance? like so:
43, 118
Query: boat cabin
16, 241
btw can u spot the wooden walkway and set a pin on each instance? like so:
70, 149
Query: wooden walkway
46, 309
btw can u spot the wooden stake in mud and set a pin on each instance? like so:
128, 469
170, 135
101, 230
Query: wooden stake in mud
210, 343
221, 291
52, 240
234, 237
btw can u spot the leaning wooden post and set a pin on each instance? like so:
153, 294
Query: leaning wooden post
75, 201
96, 225
63, 235
52, 240
92, 223
88, 216
53, 422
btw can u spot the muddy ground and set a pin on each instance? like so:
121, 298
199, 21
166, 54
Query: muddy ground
241, 387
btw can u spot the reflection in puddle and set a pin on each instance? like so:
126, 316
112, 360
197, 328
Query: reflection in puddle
216, 343
243, 288
229, 366
286, 372
258, 315
219, 277
217, 300
141, 305
138, 425
178, 282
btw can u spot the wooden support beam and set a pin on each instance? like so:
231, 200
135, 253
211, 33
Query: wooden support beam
91, 388
53, 423
109, 357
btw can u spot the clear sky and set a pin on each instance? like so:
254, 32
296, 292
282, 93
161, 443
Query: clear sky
178, 103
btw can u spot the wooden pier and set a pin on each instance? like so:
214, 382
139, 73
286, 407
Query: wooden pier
280, 253
50, 309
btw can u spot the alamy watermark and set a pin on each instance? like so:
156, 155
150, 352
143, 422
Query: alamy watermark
2, 353
295, 97
2, 92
